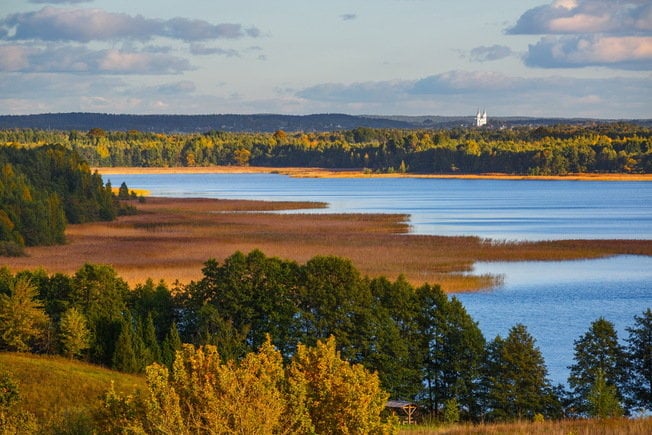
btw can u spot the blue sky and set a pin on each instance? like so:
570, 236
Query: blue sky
567, 58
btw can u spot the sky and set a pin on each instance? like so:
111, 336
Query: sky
540, 58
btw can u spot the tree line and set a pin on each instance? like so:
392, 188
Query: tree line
421, 343
44, 188
547, 150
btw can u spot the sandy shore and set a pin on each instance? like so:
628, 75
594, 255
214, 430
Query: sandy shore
356, 173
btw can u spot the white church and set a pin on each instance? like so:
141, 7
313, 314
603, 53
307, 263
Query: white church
481, 118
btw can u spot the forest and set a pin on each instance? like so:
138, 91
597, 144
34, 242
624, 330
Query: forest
284, 331
545, 150
422, 344
42, 189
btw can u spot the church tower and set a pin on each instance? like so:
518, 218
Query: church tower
481, 118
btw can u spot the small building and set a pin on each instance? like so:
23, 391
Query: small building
481, 118
403, 409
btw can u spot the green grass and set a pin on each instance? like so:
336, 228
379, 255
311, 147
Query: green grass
58, 390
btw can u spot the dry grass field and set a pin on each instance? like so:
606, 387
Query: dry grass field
615, 426
170, 239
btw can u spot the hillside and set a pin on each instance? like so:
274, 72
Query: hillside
57, 390
261, 122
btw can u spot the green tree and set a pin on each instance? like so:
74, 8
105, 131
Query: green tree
253, 294
453, 350
123, 191
639, 355
171, 344
516, 383
597, 351
22, 318
602, 399
74, 334
127, 349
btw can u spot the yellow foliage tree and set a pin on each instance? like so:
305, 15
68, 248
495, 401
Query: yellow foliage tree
341, 398
318, 393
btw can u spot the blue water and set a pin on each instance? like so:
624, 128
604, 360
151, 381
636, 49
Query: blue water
557, 301
497, 209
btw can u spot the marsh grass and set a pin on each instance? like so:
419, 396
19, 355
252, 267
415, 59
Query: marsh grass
617, 426
170, 239
57, 389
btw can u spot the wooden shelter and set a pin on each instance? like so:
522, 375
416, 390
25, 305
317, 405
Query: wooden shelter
403, 408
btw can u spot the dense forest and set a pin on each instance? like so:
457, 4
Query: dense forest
263, 122
422, 344
44, 188
544, 150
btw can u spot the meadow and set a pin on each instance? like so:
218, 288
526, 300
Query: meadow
170, 239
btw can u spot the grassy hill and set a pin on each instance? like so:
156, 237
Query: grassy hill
62, 394
60, 391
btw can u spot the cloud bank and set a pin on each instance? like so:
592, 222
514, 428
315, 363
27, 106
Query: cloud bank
85, 25
65, 59
580, 33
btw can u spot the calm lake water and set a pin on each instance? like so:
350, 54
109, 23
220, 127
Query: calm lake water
557, 301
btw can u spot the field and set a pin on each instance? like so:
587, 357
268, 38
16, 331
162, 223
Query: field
60, 391
170, 239
616, 426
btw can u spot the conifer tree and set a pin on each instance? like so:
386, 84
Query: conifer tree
597, 351
639, 353
125, 356
151, 348
602, 399
171, 345
22, 318
516, 383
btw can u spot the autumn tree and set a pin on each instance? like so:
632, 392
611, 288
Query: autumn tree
317, 393
74, 334
340, 397
22, 318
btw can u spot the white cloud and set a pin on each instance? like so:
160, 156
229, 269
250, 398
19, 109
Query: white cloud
462, 91
60, 1
613, 34
626, 17
85, 25
629, 52
202, 50
486, 54
70, 59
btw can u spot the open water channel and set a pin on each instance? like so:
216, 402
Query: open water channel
557, 301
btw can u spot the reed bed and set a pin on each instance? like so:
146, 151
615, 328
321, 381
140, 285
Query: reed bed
170, 239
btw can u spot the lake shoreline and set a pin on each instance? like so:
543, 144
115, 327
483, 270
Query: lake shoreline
300, 172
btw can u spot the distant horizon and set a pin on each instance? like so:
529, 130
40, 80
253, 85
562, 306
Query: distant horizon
362, 115
535, 58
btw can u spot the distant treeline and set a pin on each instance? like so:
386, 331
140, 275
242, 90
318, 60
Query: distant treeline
423, 344
44, 188
545, 150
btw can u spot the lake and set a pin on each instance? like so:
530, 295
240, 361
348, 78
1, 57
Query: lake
557, 301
